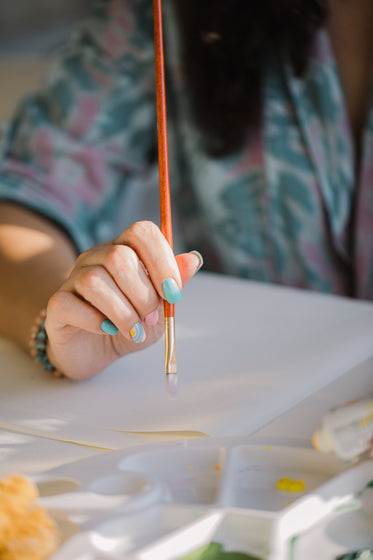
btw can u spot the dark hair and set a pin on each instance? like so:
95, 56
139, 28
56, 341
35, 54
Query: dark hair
226, 45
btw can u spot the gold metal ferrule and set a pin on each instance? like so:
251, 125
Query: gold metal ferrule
170, 361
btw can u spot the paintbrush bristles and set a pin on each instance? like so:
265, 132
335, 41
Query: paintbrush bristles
170, 358
171, 381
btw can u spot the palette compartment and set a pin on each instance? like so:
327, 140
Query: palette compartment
250, 532
341, 520
192, 475
253, 472
161, 501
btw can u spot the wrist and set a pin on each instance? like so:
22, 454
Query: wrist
38, 345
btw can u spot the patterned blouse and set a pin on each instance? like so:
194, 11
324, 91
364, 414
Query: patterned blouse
286, 208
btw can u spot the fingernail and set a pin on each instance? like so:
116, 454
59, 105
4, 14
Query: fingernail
171, 291
137, 333
152, 318
199, 257
108, 327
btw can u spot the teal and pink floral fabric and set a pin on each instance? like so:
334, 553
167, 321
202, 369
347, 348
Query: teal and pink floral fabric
292, 207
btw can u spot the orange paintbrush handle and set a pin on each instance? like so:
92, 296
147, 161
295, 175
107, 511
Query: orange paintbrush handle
164, 178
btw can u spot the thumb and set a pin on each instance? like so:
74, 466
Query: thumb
189, 264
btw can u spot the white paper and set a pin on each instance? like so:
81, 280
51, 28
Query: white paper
246, 353
21, 453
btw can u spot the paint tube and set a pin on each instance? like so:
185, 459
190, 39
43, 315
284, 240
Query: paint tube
347, 430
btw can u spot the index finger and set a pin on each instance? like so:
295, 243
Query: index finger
154, 251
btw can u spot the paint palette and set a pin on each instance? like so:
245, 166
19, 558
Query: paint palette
163, 501
336, 519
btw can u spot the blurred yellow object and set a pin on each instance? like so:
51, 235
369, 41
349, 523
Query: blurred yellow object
26, 530
289, 485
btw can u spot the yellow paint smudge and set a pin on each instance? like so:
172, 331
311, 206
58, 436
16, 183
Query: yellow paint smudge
288, 485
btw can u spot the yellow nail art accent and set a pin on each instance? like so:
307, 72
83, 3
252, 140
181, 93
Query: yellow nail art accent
137, 333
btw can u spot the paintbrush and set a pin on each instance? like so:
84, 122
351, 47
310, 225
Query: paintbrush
164, 190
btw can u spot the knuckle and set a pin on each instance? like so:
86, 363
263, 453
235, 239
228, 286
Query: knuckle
116, 257
132, 261
122, 257
57, 302
90, 278
142, 230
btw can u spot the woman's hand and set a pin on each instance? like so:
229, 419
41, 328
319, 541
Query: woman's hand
111, 304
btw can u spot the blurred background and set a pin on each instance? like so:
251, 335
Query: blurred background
31, 31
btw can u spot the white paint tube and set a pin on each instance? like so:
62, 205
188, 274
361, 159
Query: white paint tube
347, 430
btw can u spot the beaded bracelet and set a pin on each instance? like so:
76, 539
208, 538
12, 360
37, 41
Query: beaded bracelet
38, 344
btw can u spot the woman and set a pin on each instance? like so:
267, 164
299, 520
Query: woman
271, 151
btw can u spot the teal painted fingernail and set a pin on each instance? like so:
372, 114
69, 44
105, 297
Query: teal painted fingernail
171, 291
109, 328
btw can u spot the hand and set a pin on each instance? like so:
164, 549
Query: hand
116, 285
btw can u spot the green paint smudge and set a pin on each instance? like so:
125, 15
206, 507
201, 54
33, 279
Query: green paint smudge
362, 554
293, 540
214, 551
366, 487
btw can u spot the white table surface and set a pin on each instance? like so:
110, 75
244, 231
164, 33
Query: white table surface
247, 353
30, 454
291, 356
